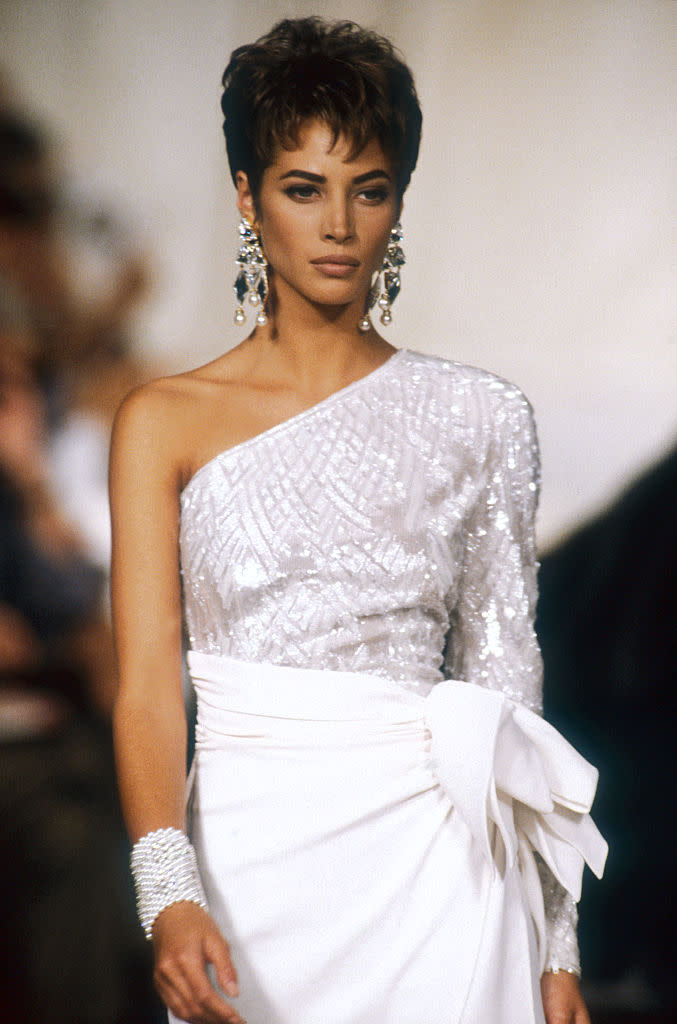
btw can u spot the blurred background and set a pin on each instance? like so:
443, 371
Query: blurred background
540, 239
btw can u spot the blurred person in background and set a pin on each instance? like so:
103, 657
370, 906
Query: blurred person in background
110, 276
81, 273
49, 590
67, 933
70, 948
32, 260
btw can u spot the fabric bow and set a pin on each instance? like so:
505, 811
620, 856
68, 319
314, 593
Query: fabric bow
519, 786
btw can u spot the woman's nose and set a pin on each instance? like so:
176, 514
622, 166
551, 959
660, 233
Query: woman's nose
338, 221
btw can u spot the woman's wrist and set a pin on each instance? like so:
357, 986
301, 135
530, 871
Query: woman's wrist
560, 969
165, 872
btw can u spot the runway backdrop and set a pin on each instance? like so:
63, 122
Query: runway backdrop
539, 228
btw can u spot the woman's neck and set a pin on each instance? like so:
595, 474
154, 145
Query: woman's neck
320, 350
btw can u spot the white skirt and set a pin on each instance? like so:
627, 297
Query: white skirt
367, 849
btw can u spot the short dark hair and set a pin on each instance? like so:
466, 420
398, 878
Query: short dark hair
306, 68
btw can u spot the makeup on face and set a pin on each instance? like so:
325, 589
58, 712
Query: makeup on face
325, 218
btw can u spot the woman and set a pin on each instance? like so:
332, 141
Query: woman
354, 526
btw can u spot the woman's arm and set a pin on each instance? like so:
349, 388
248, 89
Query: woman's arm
149, 720
493, 640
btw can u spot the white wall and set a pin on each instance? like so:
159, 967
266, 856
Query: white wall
540, 225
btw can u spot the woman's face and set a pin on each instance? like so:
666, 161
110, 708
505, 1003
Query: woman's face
324, 219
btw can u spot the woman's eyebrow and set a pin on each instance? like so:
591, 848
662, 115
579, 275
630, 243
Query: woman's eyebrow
320, 179
378, 173
308, 175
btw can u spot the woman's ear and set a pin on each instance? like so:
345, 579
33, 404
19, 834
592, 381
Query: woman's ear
245, 197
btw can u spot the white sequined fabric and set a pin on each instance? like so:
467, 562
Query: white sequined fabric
387, 530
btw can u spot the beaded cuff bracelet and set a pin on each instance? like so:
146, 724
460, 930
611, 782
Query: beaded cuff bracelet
165, 872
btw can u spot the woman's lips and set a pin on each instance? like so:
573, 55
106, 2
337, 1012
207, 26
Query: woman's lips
336, 266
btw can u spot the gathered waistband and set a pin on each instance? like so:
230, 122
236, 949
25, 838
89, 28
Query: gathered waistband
282, 691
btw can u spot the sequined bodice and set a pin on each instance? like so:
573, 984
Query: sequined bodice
387, 529
339, 539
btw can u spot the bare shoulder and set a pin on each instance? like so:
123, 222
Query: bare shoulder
150, 410
152, 424
169, 422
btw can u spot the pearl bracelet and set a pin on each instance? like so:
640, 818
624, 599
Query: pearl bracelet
165, 872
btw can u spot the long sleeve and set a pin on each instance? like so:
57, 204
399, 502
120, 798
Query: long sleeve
492, 640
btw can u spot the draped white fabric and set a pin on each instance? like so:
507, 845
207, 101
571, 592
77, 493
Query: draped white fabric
393, 880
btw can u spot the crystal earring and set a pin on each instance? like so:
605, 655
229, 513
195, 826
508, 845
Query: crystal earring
386, 293
253, 275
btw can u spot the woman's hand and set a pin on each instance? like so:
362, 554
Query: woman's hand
562, 999
185, 940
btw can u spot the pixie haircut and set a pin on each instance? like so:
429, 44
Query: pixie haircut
336, 72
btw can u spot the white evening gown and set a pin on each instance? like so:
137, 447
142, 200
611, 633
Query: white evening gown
371, 773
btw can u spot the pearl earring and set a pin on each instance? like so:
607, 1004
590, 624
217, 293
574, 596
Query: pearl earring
385, 293
253, 275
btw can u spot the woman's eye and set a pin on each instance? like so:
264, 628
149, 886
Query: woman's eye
374, 195
301, 192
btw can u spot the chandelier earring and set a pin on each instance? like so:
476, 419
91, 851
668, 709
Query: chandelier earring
252, 278
387, 284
